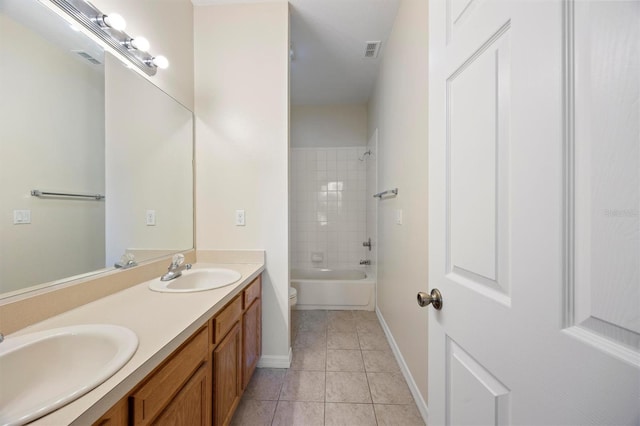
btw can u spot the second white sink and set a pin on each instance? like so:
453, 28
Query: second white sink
197, 279
42, 371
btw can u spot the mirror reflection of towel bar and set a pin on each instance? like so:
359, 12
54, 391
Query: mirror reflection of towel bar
393, 192
38, 193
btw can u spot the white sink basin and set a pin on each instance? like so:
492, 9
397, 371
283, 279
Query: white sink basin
199, 279
45, 370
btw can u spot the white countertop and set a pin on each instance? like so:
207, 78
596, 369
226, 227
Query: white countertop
162, 322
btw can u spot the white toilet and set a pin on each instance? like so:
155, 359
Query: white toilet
293, 296
293, 299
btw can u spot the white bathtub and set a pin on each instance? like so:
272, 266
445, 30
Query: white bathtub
334, 289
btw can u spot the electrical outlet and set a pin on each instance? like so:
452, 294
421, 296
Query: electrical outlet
240, 218
21, 217
150, 218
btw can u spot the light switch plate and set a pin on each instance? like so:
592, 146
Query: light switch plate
399, 217
21, 217
240, 218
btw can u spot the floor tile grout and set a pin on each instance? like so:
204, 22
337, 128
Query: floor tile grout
338, 327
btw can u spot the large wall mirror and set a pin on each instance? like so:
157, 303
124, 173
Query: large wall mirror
75, 120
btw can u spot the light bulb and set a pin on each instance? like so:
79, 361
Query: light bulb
139, 43
160, 62
115, 21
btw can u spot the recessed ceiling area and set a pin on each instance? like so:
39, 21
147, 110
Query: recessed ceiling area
329, 40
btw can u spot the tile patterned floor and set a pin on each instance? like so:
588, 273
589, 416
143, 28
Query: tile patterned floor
342, 373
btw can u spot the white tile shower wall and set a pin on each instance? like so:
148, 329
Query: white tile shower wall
328, 207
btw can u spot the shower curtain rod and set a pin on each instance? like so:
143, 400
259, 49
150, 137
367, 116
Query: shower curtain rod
393, 192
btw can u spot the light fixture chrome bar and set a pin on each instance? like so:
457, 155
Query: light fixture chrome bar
393, 192
90, 17
38, 193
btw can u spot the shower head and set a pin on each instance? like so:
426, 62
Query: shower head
364, 155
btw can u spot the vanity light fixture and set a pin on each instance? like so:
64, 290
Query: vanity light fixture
109, 28
138, 43
160, 62
112, 20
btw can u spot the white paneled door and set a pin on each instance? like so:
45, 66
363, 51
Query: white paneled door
534, 168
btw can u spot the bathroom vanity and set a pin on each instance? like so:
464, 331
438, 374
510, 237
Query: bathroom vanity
202, 381
196, 354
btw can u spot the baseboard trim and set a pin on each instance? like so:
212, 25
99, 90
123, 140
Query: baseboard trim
417, 396
275, 361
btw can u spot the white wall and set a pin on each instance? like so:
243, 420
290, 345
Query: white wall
399, 110
328, 207
242, 121
168, 25
149, 156
51, 139
328, 126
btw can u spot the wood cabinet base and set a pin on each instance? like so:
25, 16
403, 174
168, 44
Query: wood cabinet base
202, 381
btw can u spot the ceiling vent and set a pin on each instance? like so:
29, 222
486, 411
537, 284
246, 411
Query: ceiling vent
372, 48
88, 57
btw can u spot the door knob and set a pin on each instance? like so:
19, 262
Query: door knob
435, 299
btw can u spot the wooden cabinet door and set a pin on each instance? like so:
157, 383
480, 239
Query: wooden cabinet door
189, 406
252, 340
118, 415
227, 367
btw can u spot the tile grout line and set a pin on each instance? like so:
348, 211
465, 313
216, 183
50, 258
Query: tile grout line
273, 419
366, 377
358, 333
326, 349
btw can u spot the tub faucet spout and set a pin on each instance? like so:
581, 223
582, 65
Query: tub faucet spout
365, 262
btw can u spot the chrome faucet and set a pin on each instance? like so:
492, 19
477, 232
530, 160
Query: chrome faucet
176, 268
127, 260
365, 262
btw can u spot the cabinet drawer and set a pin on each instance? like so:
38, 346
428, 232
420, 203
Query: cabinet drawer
223, 322
252, 292
152, 397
